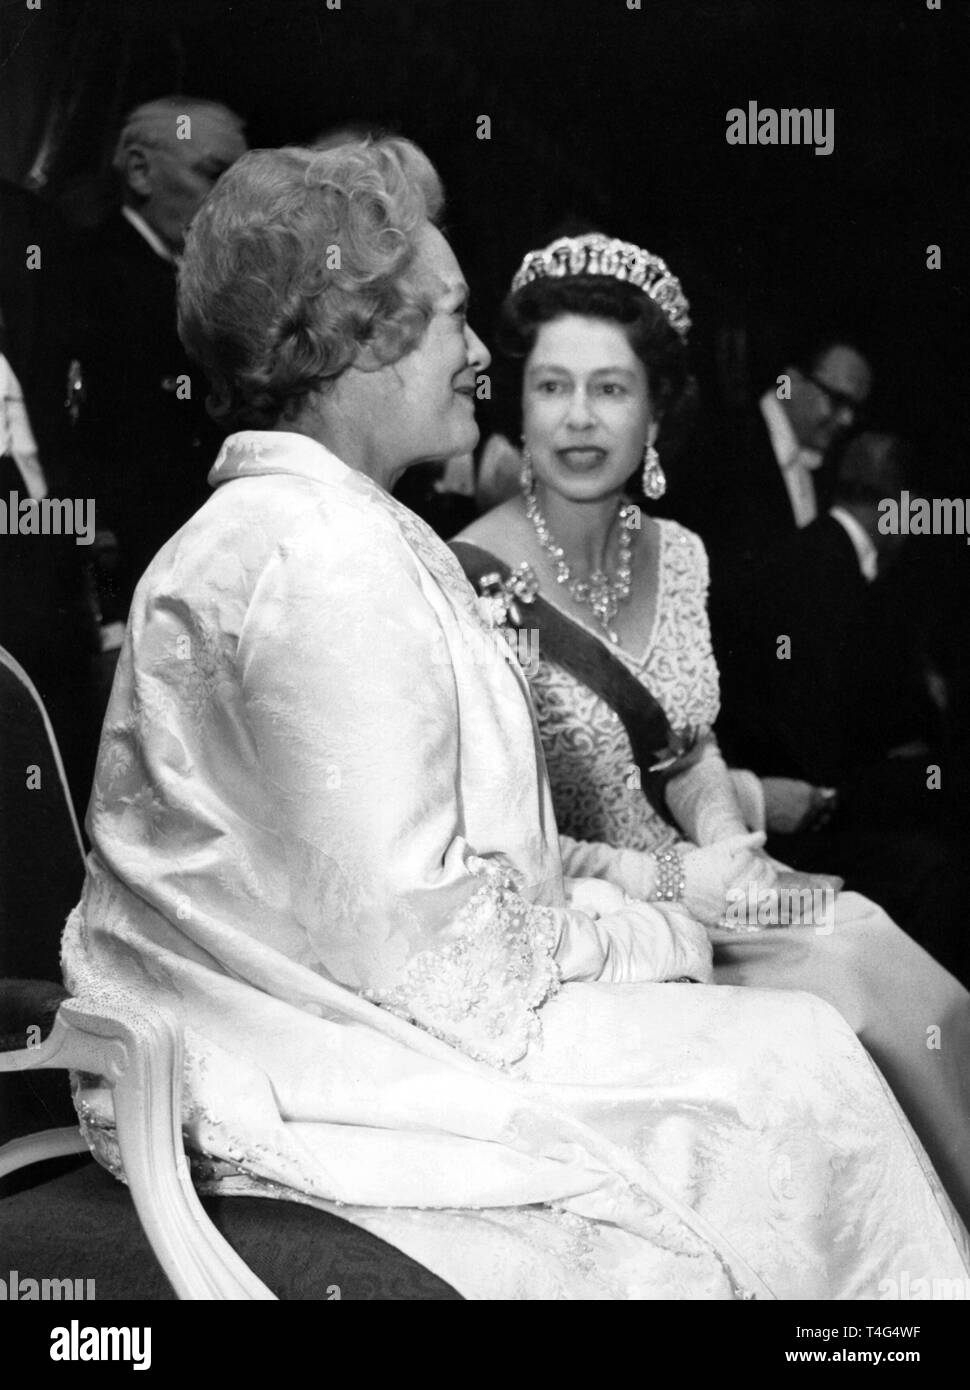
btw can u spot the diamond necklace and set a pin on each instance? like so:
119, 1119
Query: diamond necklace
602, 594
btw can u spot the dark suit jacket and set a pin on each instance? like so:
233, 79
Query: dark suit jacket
732, 492
847, 691
730, 489
148, 448
809, 702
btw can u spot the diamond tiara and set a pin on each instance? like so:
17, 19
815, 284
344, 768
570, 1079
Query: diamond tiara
596, 254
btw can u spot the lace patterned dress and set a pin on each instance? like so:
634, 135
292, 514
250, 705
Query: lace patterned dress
323, 839
595, 782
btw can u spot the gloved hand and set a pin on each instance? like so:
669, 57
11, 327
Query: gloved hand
609, 936
710, 871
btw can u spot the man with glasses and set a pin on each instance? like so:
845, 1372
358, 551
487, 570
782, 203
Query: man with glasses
844, 728
755, 473
813, 408
762, 482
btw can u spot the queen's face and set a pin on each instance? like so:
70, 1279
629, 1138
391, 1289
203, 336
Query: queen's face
586, 407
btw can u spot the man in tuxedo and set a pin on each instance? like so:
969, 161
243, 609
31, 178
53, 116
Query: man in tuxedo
148, 440
760, 473
763, 474
836, 694
824, 686
812, 408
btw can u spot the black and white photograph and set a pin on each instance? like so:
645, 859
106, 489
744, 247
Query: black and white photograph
484, 679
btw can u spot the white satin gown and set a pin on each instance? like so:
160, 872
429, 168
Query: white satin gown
324, 837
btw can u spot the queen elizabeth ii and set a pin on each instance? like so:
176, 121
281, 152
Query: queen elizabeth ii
323, 836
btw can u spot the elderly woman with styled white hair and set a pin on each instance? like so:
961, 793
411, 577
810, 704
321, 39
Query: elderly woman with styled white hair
323, 835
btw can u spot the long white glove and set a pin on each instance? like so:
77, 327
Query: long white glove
710, 871
630, 869
612, 937
703, 800
705, 805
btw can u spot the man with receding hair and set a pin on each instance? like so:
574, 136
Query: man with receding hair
169, 154
147, 439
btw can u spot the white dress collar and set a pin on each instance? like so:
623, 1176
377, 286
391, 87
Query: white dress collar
784, 441
148, 234
866, 552
252, 453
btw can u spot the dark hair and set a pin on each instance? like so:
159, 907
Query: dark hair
807, 347
873, 466
652, 337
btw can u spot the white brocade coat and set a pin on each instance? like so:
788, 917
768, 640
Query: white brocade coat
323, 837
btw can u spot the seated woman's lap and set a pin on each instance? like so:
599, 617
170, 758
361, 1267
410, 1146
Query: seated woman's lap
912, 1015
676, 1034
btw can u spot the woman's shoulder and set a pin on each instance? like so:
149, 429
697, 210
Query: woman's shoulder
679, 534
683, 555
675, 534
316, 530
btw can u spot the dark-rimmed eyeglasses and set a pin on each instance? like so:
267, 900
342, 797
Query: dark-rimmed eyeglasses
838, 400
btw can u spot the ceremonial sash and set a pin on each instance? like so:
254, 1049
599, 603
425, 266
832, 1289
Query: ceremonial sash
658, 751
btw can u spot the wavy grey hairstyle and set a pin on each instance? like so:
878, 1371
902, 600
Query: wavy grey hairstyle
296, 263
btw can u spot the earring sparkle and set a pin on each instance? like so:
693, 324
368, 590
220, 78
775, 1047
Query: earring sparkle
654, 479
527, 477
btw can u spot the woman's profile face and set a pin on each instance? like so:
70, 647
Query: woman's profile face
585, 407
426, 402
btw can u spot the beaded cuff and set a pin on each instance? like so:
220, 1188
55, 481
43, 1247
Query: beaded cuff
480, 989
671, 879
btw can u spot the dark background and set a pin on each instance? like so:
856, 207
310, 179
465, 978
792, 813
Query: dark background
606, 114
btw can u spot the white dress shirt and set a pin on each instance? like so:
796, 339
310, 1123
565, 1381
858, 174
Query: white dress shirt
866, 552
16, 437
149, 234
797, 464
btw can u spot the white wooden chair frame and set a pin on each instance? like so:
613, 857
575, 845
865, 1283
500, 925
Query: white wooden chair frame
140, 1058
